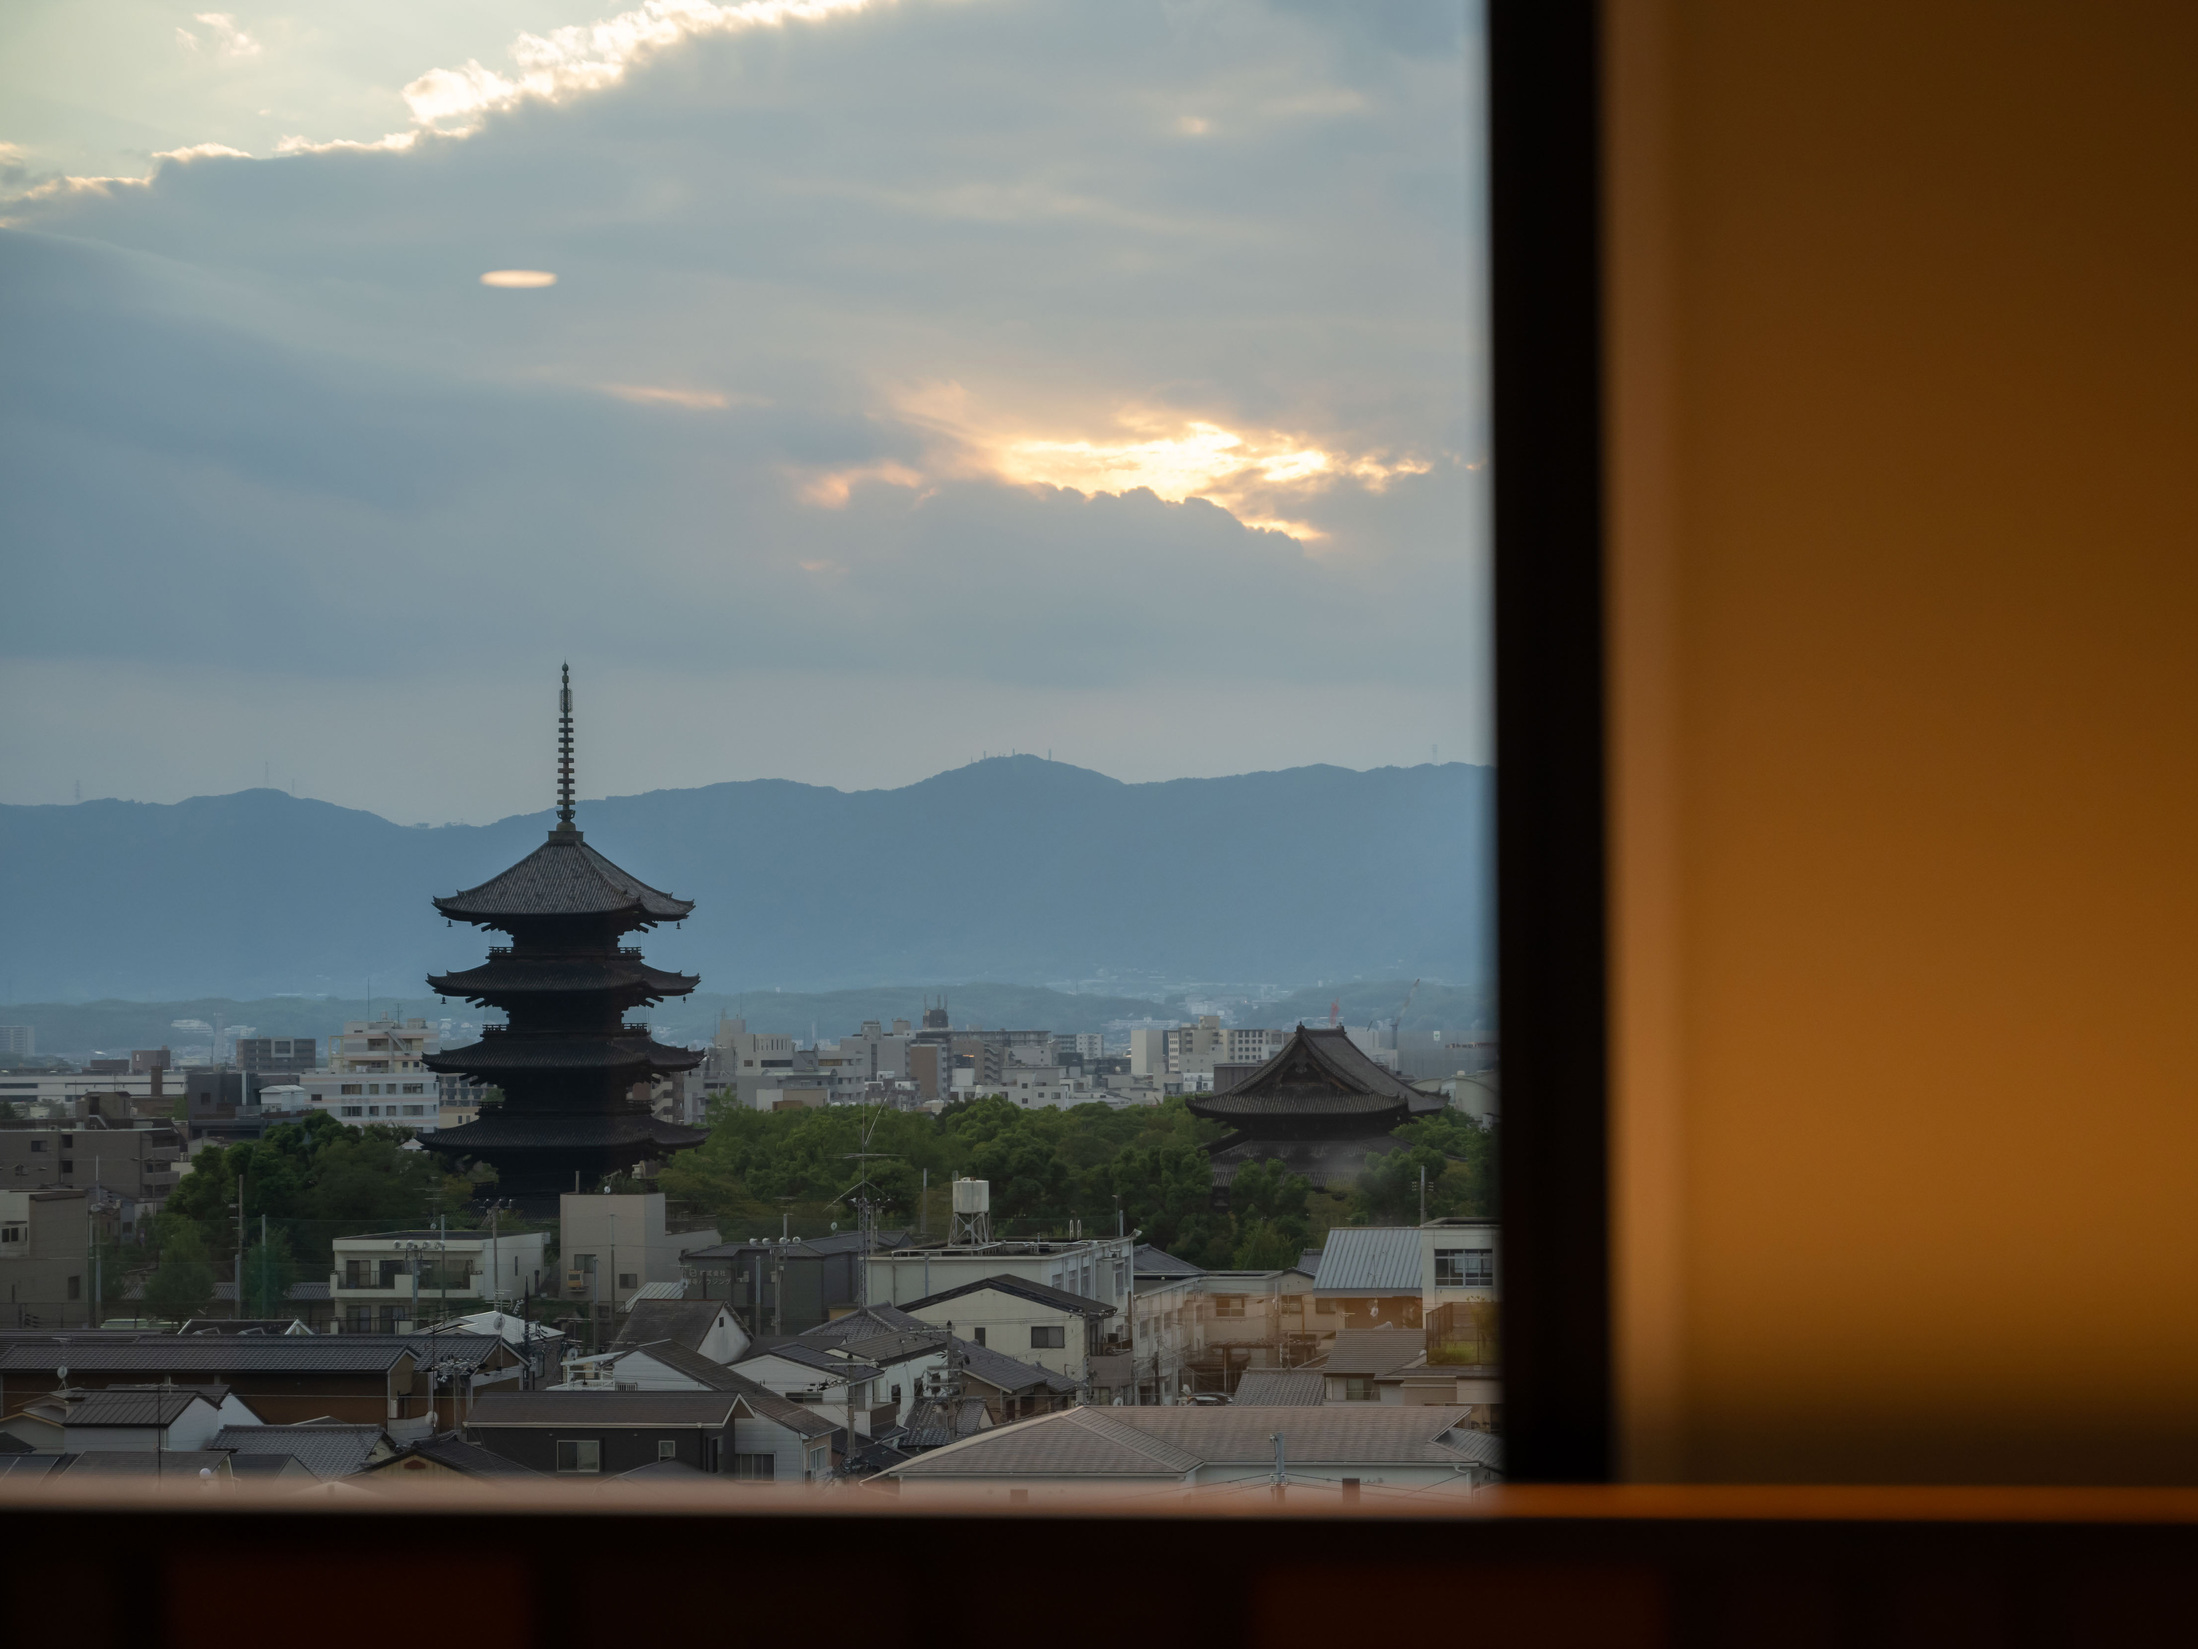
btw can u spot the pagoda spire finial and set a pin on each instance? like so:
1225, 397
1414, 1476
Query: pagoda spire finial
564, 752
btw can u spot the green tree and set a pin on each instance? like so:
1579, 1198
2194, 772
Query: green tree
269, 1272
1458, 1154
182, 1285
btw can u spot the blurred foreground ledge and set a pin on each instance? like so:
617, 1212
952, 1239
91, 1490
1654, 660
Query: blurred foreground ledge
187, 1564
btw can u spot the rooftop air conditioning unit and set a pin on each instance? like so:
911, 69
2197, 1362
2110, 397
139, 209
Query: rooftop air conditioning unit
972, 1196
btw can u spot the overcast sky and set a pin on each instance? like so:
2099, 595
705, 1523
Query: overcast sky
918, 380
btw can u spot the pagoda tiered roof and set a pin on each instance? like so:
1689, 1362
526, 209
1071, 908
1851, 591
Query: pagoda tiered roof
509, 977
1320, 1076
563, 877
502, 1053
504, 1137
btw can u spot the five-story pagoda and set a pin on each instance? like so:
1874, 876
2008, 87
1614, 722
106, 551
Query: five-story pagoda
574, 1074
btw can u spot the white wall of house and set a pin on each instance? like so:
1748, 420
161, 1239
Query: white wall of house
1004, 1322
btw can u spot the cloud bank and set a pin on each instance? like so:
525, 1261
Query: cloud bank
916, 380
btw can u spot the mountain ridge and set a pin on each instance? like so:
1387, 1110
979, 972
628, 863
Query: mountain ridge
1013, 869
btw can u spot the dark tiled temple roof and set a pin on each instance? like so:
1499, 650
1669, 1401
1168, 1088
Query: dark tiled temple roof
562, 877
523, 1051
554, 1131
1319, 1074
505, 977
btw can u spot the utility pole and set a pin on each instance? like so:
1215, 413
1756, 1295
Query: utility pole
239, 1265
1423, 1193
263, 1277
1281, 1476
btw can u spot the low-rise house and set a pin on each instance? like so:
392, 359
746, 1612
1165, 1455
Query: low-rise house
132, 1417
1164, 1325
1360, 1358
446, 1454
781, 1288
363, 1379
244, 1325
1247, 1320
705, 1327
1375, 1451
1280, 1388
1098, 1268
830, 1381
1030, 1321
1396, 1276
664, 1365
309, 1302
755, 1434
322, 1449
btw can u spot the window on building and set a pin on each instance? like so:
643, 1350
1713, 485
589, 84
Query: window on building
415, 1087
667, 1449
351, 1110
349, 1088
76, 1287
1359, 1388
820, 1462
978, 1335
579, 1454
38, 1145
755, 1468
629, 1279
1465, 1268
1048, 1339
1228, 1305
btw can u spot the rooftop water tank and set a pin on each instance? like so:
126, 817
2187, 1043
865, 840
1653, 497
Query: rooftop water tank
972, 1196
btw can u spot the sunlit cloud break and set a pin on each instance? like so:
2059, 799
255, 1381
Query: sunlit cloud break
590, 56
521, 280
1246, 475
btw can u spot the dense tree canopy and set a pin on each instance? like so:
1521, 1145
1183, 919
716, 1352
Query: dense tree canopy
1049, 1167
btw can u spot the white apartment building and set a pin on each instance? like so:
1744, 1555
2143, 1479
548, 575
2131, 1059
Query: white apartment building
1194, 1050
381, 1047
412, 1100
386, 1281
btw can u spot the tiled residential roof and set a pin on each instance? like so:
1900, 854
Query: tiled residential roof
887, 1349
1168, 1442
1374, 1350
686, 1322
216, 1354
1370, 1259
1070, 1442
142, 1463
1279, 1388
1009, 1374
865, 1323
670, 1354
664, 1468
1157, 1262
825, 1362
244, 1325
468, 1350
322, 1449
595, 1410
1022, 1288
153, 1406
450, 1449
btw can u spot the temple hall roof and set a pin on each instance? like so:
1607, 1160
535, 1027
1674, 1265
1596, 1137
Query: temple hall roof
562, 877
1318, 1074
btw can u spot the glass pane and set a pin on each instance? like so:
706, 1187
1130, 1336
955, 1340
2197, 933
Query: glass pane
788, 711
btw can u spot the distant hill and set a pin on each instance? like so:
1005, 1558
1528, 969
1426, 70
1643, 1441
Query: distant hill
1012, 869
79, 1028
